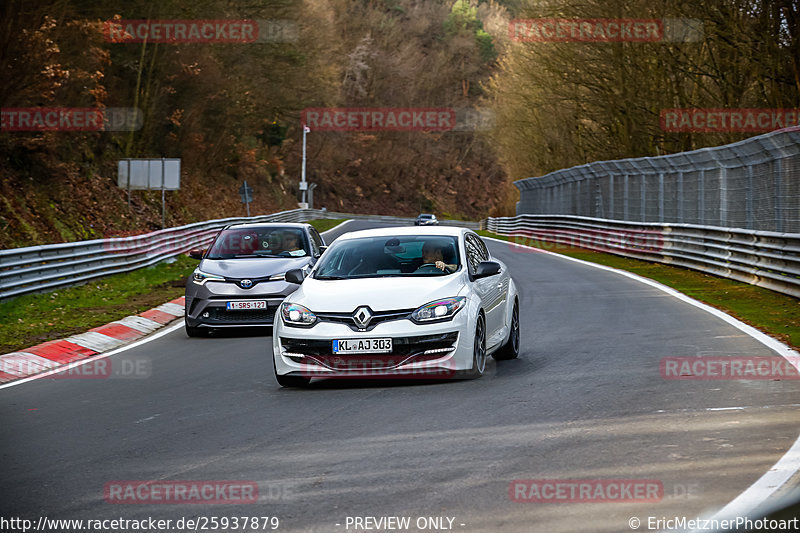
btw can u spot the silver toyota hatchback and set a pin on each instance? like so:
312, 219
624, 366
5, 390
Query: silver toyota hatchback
240, 278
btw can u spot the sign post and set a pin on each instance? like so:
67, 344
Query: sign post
150, 175
303, 184
246, 194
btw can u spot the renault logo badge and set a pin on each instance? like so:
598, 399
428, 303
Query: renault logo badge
362, 316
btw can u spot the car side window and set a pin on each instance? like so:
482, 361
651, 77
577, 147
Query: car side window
316, 242
473, 249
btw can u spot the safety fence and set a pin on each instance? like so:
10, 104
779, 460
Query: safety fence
766, 259
753, 184
46, 267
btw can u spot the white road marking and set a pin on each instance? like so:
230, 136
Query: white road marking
788, 465
167, 330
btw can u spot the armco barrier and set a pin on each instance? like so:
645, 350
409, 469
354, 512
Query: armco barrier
42, 268
766, 259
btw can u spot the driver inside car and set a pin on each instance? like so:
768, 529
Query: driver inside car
433, 255
290, 242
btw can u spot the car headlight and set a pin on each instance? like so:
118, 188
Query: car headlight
443, 309
200, 277
297, 315
278, 277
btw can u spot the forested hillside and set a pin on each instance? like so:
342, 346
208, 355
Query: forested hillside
232, 111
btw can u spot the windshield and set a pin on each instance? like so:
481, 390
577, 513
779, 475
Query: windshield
390, 256
259, 242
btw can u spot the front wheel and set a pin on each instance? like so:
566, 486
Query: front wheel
195, 331
289, 381
292, 381
478, 350
510, 350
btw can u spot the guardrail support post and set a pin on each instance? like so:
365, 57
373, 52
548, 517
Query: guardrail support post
643, 199
777, 168
625, 197
749, 198
611, 213
701, 198
723, 196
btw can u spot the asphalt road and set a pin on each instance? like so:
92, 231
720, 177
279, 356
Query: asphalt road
585, 401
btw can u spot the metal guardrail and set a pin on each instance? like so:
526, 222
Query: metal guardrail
763, 258
42, 268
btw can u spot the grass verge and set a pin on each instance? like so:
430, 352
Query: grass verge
325, 224
31, 319
777, 315
34, 318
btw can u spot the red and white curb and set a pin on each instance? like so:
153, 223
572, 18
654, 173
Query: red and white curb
54, 354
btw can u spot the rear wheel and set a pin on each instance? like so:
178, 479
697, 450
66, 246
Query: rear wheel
478, 350
510, 350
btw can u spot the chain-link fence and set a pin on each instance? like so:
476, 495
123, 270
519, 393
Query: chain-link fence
753, 184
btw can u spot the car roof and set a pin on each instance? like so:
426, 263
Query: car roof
267, 225
440, 231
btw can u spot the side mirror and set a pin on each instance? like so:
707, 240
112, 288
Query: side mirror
322, 249
295, 275
486, 269
196, 253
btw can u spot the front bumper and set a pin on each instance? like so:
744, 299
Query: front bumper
436, 351
206, 305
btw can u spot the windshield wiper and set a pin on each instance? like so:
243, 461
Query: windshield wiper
330, 277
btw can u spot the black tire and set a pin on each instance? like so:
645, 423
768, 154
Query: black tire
292, 381
510, 350
478, 350
289, 381
195, 331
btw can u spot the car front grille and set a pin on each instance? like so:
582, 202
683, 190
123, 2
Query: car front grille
377, 318
220, 315
404, 350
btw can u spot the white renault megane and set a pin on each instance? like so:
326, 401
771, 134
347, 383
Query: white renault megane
390, 302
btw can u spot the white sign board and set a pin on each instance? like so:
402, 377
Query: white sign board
149, 174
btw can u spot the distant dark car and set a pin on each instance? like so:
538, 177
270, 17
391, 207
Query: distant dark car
240, 279
426, 220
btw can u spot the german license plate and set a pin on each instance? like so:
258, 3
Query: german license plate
348, 346
247, 304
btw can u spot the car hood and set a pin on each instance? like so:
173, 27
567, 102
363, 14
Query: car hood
252, 267
380, 294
